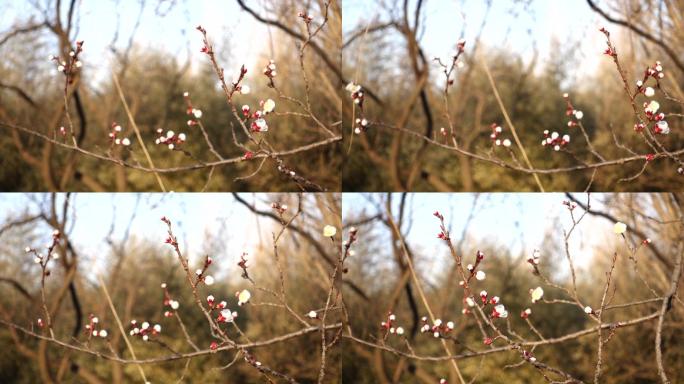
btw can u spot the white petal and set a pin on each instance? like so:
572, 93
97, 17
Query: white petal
329, 231
269, 105
244, 296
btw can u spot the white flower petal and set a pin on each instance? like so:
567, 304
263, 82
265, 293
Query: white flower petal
329, 231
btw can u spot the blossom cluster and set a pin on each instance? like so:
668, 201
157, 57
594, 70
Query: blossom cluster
280, 208
574, 114
472, 269
655, 71
144, 330
91, 327
389, 325
498, 310
41, 259
170, 305
356, 93
555, 140
361, 125
225, 315
270, 69
496, 131
114, 136
258, 123
201, 273
73, 65
660, 126
438, 327
353, 236
193, 112
170, 138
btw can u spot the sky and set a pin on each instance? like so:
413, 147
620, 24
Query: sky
174, 32
547, 24
516, 221
192, 215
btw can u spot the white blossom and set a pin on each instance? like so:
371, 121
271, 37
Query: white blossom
228, 315
536, 294
243, 297
663, 127
353, 87
208, 280
269, 106
261, 124
329, 231
501, 310
470, 302
652, 107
